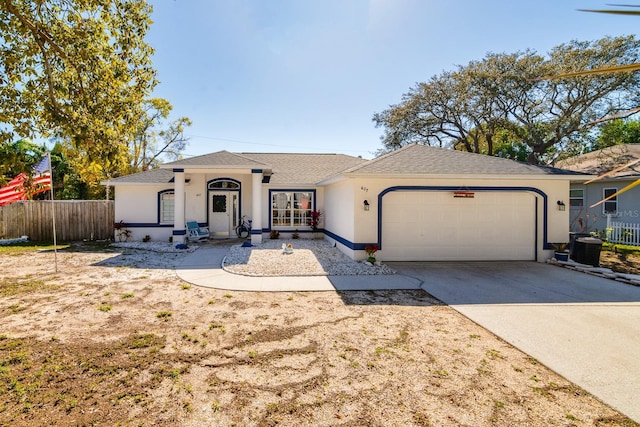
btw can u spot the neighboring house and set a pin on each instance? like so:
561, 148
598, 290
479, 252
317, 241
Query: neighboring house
416, 203
624, 207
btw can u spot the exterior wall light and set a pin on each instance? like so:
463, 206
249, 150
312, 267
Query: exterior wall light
366, 205
561, 205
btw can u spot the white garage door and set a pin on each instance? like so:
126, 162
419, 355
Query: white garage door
435, 226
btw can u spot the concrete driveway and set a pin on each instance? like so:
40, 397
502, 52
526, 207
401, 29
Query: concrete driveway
584, 327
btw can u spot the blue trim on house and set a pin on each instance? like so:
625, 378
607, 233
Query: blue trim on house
342, 240
535, 257
179, 232
545, 244
147, 225
288, 190
178, 170
349, 244
256, 170
256, 231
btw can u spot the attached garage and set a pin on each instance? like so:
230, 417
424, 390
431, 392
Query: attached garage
424, 225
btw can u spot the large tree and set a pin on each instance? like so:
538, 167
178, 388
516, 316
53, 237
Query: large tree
77, 70
156, 139
469, 107
615, 132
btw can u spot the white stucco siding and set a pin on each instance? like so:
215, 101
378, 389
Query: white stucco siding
340, 200
195, 198
366, 223
138, 204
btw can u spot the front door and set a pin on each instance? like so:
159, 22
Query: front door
223, 213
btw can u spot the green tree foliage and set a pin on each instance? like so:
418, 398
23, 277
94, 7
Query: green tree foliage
471, 108
155, 139
18, 157
616, 132
77, 70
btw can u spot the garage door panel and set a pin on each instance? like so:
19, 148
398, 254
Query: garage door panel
430, 226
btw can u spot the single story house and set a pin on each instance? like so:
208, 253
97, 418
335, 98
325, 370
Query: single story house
624, 207
416, 203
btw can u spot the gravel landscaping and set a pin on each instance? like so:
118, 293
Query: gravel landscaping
308, 258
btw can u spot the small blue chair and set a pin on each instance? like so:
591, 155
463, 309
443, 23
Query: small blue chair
195, 232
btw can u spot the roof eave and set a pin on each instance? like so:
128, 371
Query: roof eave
133, 183
469, 176
201, 168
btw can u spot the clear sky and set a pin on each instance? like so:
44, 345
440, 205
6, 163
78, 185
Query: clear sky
308, 75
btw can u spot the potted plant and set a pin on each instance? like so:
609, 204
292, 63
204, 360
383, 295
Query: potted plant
561, 253
371, 251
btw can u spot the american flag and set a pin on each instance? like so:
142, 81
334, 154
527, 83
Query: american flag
16, 190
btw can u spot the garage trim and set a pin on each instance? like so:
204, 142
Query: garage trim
545, 244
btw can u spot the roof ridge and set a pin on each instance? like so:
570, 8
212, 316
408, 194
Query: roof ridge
380, 158
297, 154
248, 158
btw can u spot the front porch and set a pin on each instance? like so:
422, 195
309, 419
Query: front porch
226, 201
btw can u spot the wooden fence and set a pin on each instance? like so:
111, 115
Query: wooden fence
75, 220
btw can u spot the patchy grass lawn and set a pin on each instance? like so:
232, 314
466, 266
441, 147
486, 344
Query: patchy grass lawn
167, 353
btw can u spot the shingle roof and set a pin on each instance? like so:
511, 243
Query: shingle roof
310, 169
604, 160
220, 158
155, 176
286, 168
291, 168
417, 159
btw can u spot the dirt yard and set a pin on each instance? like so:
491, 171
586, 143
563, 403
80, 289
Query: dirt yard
115, 338
620, 262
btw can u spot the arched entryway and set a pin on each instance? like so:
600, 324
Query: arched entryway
223, 206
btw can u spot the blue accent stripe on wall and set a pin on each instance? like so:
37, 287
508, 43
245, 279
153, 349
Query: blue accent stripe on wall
256, 170
349, 244
147, 225
178, 169
179, 232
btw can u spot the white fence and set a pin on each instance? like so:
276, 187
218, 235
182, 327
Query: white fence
626, 233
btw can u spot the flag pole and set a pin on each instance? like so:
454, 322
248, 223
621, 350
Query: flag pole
53, 216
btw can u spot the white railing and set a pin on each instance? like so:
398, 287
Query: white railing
627, 233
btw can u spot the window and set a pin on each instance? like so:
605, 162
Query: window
167, 209
611, 205
220, 203
226, 184
291, 209
576, 198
